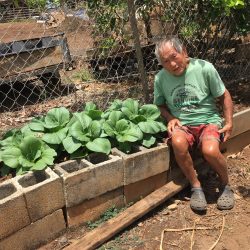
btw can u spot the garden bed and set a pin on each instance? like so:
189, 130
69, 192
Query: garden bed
83, 190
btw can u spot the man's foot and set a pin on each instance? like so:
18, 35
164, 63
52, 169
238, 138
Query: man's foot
226, 198
198, 201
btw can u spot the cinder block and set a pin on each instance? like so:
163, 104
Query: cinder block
145, 163
43, 191
241, 122
36, 233
236, 144
92, 209
138, 190
13, 211
84, 180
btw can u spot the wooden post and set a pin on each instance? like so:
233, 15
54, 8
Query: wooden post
142, 72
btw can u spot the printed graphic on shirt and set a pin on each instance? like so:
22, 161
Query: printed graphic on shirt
185, 97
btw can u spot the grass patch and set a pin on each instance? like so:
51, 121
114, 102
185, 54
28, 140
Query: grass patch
108, 214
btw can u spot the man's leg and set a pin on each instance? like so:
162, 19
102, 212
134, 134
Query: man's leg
211, 152
180, 146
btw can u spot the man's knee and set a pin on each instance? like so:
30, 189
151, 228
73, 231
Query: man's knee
179, 141
210, 148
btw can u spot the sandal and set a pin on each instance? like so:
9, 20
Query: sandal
198, 201
226, 198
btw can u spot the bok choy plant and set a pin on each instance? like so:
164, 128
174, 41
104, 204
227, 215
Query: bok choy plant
85, 135
147, 117
122, 131
28, 154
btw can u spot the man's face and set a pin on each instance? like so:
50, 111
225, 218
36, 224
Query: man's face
172, 61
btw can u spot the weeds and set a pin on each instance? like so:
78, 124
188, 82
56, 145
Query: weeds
108, 214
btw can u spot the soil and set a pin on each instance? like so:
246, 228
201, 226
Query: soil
176, 214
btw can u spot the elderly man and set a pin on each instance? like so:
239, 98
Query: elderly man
185, 91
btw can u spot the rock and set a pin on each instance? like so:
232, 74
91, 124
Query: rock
166, 212
237, 197
172, 207
177, 202
63, 240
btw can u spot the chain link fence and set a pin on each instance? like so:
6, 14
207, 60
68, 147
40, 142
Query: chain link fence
103, 50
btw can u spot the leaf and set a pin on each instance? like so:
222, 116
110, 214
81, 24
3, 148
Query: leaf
89, 106
138, 118
122, 125
79, 132
84, 119
95, 114
21, 170
56, 117
150, 111
71, 145
47, 158
148, 141
115, 116
150, 127
132, 134
116, 105
130, 108
107, 126
36, 125
95, 129
100, 145
30, 148
56, 137
10, 157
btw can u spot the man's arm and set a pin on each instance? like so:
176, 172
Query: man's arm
172, 121
227, 105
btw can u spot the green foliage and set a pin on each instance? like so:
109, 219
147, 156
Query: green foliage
124, 124
28, 154
110, 17
53, 126
83, 75
87, 134
108, 214
131, 123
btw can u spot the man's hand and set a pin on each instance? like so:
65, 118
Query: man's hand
172, 124
227, 130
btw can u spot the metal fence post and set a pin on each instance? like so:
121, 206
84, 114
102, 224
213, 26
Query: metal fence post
142, 72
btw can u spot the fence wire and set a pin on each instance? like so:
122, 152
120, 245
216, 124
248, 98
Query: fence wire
87, 51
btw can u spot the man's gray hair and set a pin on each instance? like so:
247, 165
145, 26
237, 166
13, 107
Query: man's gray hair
174, 41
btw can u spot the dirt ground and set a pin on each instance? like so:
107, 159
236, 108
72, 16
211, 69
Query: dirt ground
228, 230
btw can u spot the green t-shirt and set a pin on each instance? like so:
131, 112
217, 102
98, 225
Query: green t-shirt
191, 96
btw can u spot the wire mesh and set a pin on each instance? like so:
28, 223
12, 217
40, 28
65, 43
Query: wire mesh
85, 51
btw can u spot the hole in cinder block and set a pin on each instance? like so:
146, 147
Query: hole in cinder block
74, 166
31, 179
7, 190
96, 158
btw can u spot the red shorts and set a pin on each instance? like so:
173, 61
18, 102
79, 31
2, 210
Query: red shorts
195, 134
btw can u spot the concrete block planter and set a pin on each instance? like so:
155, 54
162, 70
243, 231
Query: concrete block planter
240, 134
145, 163
43, 192
84, 180
13, 211
36, 233
241, 121
90, 189
144, 171
90, 210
